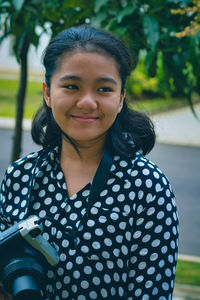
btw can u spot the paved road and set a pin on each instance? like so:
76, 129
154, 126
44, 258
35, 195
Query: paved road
181, 164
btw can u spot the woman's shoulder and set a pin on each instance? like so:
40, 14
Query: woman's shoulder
25, 163
142, 171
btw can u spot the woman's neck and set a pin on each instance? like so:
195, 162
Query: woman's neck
79, 168
86, 154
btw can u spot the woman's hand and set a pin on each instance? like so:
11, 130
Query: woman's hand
4, 295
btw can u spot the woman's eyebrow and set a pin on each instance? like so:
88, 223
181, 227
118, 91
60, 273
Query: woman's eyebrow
75, 77
70, 77
107, 79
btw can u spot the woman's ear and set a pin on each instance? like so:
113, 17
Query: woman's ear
122, 97
46, 94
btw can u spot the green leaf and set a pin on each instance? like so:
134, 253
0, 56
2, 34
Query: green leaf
18, 4
149, 59
120, 31
98, 5
125, 12
96, 21
151, 30
4, 4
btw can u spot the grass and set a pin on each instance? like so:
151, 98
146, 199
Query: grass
188, 273
8, 89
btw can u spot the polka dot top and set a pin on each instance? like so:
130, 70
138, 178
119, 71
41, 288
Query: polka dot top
126, 246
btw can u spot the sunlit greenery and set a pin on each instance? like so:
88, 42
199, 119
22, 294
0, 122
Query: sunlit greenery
8, 90
188, 273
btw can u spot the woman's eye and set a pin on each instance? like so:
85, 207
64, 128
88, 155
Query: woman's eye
71, 87
105, 89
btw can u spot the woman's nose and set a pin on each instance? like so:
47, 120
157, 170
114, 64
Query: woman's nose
87, 101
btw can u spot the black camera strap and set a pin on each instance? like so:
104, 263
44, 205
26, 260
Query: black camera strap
98, 183
100, 179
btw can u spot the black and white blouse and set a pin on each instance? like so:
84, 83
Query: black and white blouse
127, 245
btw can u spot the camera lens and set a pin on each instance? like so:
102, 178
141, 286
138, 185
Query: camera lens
23, 277
26, 288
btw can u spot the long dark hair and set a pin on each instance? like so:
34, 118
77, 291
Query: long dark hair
46, 132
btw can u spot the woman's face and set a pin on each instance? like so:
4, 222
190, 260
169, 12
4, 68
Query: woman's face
85, 95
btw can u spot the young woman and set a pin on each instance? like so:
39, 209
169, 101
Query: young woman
118, 228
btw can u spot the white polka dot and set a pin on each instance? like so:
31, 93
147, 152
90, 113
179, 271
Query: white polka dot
93, 295
76, 274
104, 293
65, 294
134, 173
151, 271
42, 213
140, 194
167, 235
158, 188
96, 280
86, 193
110, 181
154, 256
59, 196
99, 266
138, 182
131, 195
98, 231
116, 188
17, 200
96, 245
148, 183
73, 216
155, 243
103, 193
145, 172
111, 228
42, 193
28, 166
142, 265
138, 292
140, 278
78, 204
15, 212
165, 286
158, 229
107, 242
51, 188
114, 216
17, 173
123, 163
47, 201
109, 200
9, 208
16, 187
160, 215
90, 223
59, 175
79, 260
150, 211
148, 284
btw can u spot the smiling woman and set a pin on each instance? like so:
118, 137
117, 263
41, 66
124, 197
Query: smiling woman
85, 96
109, 211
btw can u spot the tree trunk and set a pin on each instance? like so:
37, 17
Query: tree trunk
16, 150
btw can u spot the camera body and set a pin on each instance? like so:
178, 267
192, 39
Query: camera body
24, 255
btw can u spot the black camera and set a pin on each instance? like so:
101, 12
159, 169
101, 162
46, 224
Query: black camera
24, 255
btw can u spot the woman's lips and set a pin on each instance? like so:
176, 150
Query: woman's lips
84, 119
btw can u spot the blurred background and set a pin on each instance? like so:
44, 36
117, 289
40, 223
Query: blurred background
164, 40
